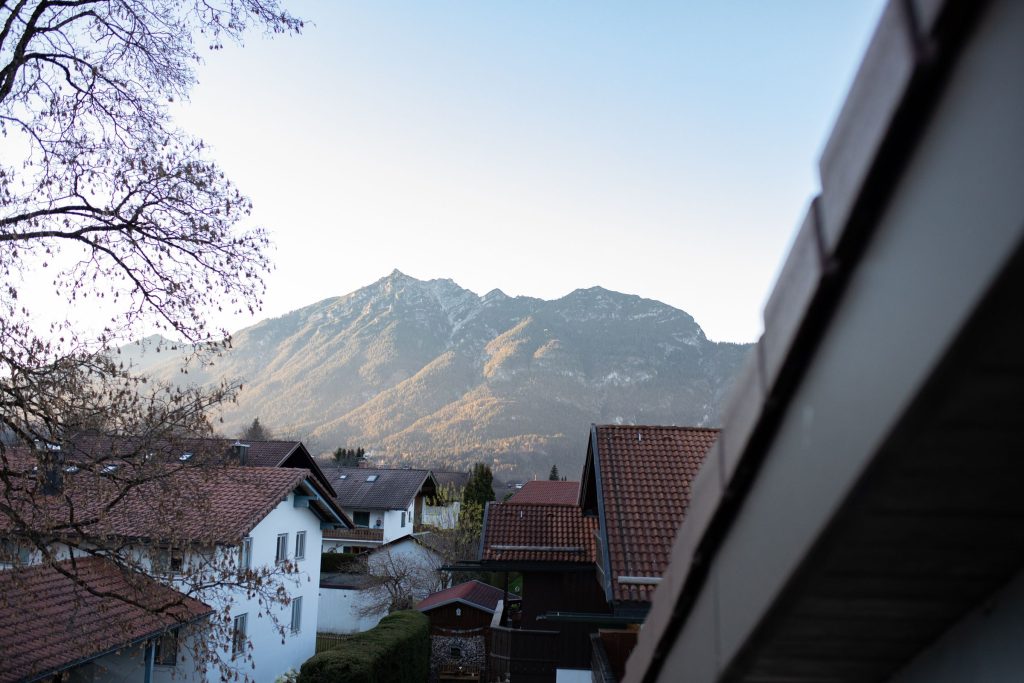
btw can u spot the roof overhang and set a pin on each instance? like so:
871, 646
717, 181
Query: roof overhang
865, 493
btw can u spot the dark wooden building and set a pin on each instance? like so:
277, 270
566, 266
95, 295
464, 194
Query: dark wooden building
460, 624
590, 565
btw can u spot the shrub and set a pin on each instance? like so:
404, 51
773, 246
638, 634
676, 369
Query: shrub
396, 651
338, 562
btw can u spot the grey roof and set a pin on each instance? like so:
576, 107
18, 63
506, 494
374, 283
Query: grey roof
455, 479
268, 453
393, 489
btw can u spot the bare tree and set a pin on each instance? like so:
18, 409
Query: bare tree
398, 580
105, 203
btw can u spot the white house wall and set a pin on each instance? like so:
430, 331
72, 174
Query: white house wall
339, 612
270, 656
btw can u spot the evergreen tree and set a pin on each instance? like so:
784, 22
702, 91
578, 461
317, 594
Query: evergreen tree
256, 432
349, 457
553, 476
479, 488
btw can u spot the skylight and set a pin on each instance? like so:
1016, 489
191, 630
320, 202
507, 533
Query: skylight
71, 469
344, 476
184, 456
372, 477
108, 469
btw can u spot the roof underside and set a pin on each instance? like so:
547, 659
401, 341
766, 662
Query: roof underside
865, 495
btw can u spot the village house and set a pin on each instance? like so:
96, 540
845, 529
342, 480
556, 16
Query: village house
50, 625
195, 527
593, 562
384, 504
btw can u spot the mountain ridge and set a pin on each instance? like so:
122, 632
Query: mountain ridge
427, 372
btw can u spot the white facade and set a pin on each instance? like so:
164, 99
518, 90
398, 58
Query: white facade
270, 655
340, 611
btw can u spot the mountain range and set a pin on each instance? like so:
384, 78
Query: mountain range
428, 373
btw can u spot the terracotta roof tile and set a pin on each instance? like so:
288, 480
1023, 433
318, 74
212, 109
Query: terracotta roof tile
475, 593
538, 533
646, 473
187, 503
545, 491
48, 621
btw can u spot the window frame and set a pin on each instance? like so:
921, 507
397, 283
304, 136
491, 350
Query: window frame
281, 555
168, 560
403, 518
161, 658
300, 545
239, 634
245, 554
296, 625
356, 515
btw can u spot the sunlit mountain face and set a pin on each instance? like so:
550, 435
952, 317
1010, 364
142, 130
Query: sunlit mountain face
429, 373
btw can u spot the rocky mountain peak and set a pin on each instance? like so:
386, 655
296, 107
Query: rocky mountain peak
426, 372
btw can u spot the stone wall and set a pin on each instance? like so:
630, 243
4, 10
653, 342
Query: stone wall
470, 644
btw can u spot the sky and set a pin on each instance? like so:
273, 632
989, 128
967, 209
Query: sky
664, 149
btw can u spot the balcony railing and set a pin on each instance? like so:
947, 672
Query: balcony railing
355, 534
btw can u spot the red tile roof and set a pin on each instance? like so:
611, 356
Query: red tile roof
474, 593
49, 621
537, 532
546, 491
186, 503
646, 473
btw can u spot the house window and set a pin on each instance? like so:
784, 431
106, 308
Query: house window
166, 649
238, 637
282, 548
296, 615
361, 518
245, 555
300, 545
455, 653
403, 519
13, 553
168, 560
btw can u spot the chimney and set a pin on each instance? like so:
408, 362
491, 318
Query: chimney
241, 452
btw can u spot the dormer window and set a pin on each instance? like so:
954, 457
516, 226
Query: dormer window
372, 477
185, 457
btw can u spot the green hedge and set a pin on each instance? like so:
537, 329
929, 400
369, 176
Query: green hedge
396, 651
338, 562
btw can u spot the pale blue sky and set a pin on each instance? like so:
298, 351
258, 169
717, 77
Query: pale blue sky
660, 149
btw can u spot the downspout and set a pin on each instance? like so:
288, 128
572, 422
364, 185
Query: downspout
150, 656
